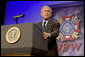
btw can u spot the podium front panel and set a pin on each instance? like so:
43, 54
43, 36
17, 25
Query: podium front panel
31, 40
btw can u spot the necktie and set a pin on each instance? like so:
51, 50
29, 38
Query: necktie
43, 27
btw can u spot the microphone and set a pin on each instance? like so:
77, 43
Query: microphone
18, 16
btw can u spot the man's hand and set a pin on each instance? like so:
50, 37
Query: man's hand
45, 35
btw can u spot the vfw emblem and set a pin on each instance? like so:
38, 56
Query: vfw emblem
69, 27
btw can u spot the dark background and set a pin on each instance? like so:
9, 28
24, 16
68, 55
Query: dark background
3, 10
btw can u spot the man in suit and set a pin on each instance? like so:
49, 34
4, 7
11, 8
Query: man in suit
50, 30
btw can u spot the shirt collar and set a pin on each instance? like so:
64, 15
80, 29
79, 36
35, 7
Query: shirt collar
46, 20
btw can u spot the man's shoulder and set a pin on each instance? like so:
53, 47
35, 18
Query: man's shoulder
54, 23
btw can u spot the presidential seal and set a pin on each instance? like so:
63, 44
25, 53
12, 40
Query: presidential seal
69, 28
13, 35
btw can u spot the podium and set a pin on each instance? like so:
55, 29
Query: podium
30, 42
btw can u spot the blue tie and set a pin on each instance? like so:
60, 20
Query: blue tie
43, 27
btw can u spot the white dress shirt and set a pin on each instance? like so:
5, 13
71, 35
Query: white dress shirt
45, 21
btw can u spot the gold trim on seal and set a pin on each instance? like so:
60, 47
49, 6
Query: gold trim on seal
13, 35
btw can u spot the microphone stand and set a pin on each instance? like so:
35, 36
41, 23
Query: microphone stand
16, 20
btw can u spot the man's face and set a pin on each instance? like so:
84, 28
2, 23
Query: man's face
46, 13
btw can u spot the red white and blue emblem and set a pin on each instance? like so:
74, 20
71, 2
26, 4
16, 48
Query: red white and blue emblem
69, 27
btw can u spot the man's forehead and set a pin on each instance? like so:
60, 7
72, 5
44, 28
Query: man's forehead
46, 8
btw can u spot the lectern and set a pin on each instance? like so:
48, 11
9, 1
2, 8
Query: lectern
22, 40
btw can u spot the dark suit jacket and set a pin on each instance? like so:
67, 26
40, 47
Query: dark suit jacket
53, 29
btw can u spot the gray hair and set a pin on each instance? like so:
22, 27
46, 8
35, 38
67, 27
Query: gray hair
46, 6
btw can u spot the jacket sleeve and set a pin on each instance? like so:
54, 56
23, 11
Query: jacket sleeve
55, 31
